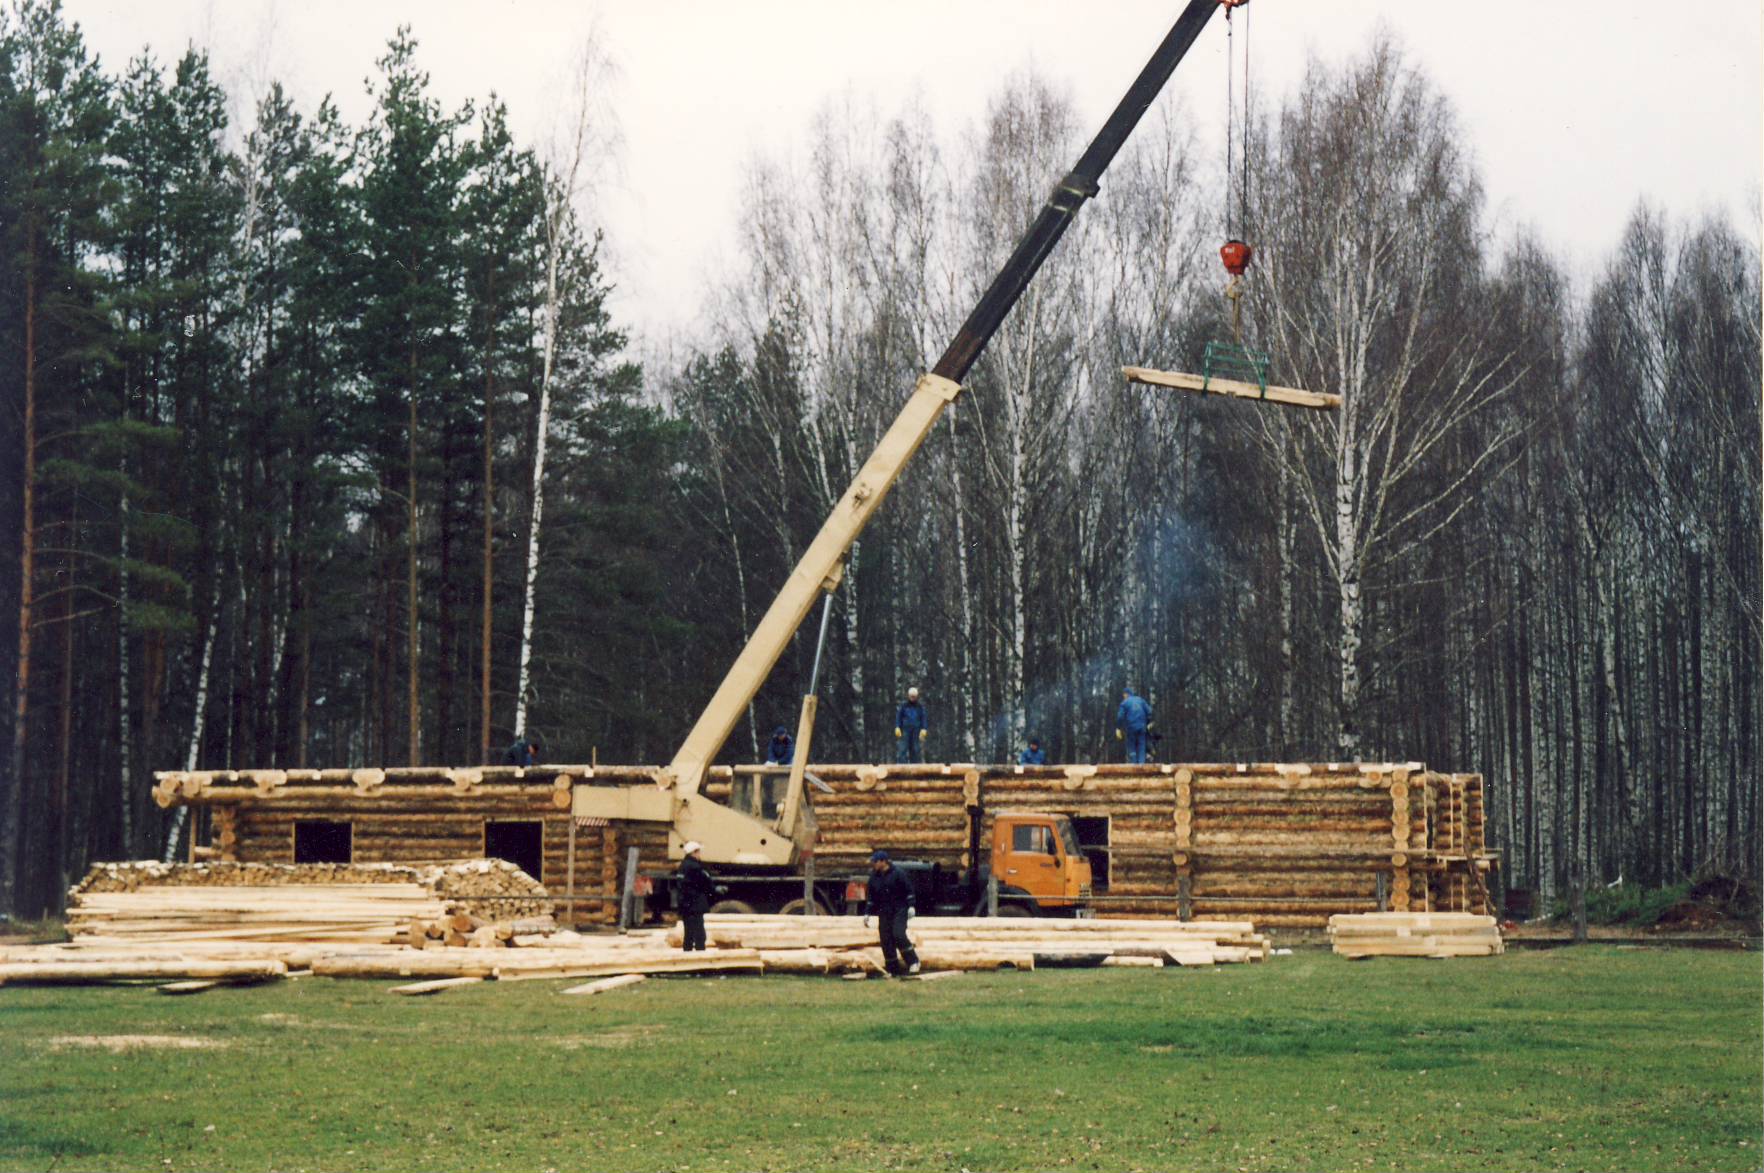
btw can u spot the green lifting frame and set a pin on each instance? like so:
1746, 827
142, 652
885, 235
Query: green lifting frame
1227, 360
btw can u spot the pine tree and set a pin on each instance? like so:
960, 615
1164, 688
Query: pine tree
408, 346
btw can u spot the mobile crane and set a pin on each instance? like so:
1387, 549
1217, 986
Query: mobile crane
762, 831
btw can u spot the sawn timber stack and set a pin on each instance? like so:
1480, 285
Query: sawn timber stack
1407, 934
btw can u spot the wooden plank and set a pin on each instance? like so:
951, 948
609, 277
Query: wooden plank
76, 972
416, 989
1181, 381
191, 987
605, 984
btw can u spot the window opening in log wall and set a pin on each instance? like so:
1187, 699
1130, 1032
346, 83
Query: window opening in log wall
316, 841
1093, 838
521, 843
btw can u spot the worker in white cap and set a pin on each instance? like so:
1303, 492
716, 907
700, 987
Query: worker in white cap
694, 893
910, 729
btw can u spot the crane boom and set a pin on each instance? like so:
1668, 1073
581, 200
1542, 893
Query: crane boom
727, 834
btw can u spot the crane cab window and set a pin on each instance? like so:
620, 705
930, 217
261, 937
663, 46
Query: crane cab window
323, 842
761, 795
1032, 839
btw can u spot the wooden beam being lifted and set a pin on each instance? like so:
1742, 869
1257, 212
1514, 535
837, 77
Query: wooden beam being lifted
1289, 396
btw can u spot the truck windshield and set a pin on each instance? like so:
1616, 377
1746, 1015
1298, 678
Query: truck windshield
1067, 838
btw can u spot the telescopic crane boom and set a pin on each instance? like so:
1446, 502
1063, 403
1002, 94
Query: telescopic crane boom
730, 836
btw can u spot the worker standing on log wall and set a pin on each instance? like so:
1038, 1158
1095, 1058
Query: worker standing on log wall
1034, 755
695, 898
910, 729
1132, 724
890, 898
778, 753
523, 751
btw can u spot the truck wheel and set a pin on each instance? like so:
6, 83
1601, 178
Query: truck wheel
799, 907
1012, 909
731, 908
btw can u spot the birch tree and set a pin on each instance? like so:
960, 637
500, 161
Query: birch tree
590, 136
1369, 256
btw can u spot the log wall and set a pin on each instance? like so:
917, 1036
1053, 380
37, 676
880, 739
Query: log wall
1283, 844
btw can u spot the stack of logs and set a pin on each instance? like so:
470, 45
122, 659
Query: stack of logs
1410, 934
489, 888
465, 931
833, 944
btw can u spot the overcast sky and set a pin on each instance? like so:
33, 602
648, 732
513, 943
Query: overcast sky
1574, 109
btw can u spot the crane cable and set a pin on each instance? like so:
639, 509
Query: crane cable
1234, 289
1243, 187
1230, 107
1231, 132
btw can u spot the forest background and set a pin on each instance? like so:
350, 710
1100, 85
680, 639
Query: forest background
321, 447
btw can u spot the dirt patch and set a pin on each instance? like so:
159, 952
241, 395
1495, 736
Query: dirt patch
116, 1044
624, 1036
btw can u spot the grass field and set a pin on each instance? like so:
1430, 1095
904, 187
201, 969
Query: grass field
1590, 1058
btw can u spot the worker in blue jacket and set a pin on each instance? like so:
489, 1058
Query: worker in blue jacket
523, 751
779, 751
909, 729
1034, 755
1132, 722
890, 897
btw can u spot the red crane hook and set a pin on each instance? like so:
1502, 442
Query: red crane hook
1235, 253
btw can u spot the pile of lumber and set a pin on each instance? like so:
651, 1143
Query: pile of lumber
492, 889
1415, 934
95, 961
827, 945
311, 912
836, 943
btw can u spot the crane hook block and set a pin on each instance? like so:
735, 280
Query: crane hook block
1228, 5
1236, 255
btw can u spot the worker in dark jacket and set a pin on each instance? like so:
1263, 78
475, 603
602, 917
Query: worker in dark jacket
1132, 721
696, 888
891, 903
523, 751
783, 745
1034, 755
910, 730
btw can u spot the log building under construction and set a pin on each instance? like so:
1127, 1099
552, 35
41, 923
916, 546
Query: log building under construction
1284, 845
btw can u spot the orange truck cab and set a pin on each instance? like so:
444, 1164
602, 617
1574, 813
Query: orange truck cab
1034, 856
1039, 865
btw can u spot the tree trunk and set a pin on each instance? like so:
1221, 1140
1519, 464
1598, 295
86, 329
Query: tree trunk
192, 755
124, 731
1286, 570
413, 712
489, 586
968, 683
10, 802
553, 226
1348, 587
57, 838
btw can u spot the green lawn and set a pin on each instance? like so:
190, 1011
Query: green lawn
1590, 1058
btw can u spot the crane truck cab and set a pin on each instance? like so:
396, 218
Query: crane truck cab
1039, 865
1035, 857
